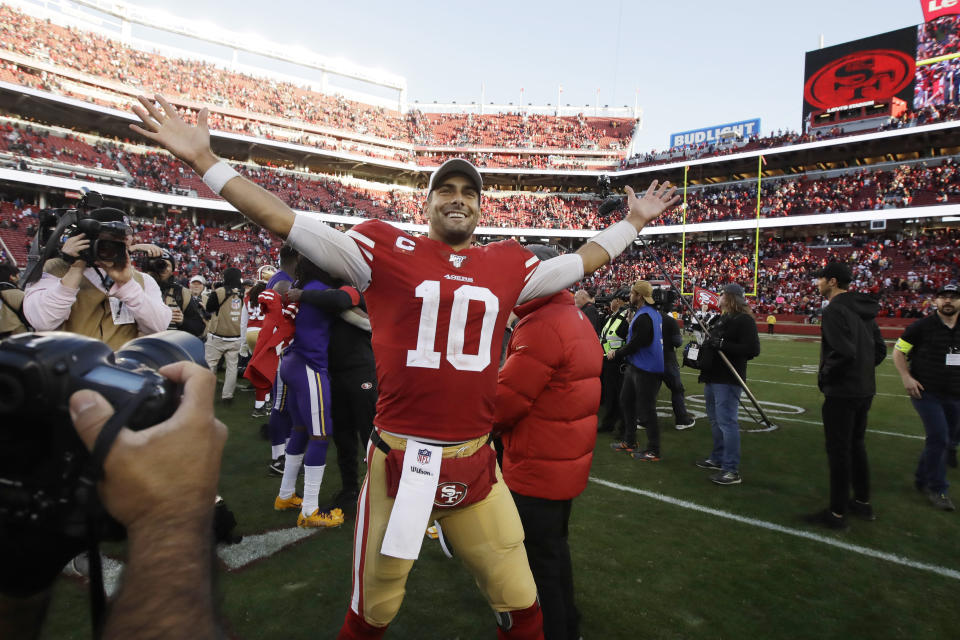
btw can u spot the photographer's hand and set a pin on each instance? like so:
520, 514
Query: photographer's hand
161, 484
121, 275
151, 250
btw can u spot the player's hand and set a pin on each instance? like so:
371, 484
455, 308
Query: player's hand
293, 295
651, 206
163, 125
913, 387
151, 250
169, 470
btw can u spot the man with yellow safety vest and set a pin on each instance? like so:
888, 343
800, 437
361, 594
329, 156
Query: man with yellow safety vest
613, 333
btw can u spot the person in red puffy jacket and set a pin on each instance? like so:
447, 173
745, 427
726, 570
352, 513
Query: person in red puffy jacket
547, 400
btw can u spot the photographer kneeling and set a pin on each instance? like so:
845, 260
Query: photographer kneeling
93, 290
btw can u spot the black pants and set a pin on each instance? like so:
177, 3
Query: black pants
353, 409
671, 379
638, 401
545, 539
844, 426
611, 382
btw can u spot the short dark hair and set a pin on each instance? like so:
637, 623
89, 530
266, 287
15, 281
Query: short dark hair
7, 271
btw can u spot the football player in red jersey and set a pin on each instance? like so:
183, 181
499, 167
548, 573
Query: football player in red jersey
438, 308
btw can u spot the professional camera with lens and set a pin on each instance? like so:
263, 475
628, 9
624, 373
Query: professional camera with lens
106, 228
664, 299
48, 506
108, 238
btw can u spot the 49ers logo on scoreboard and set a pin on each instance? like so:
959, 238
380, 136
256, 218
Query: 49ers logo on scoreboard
877, 74
450, 494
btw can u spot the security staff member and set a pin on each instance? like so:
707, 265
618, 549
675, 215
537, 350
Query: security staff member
223, 337
927, 356
612, 336
643, 353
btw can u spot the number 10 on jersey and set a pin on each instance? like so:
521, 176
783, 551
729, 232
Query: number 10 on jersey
425, 356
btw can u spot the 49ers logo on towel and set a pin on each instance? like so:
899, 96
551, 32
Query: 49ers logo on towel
450, 494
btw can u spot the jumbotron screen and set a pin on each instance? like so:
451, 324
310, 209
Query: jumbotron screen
919, 65
868, 70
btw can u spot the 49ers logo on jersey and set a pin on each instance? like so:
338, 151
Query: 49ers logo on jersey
450, 494
457, 260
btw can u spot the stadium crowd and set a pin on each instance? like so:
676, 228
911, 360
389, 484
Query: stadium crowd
911, 184
902, 270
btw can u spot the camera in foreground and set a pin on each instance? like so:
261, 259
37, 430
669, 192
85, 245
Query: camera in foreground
47, 511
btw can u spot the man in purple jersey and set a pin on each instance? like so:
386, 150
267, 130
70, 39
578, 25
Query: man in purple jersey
304, 371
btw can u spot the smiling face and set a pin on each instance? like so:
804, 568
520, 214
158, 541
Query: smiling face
196, 288
453, 211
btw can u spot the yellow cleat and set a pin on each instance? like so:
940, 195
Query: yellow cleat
283, 504
333, 518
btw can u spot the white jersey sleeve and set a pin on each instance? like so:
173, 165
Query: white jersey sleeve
332, 251
551, 276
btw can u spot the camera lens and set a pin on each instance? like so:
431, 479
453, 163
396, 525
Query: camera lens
11, 394
160, 349
110, 250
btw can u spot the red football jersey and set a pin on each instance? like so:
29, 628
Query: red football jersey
437, 319
255, 314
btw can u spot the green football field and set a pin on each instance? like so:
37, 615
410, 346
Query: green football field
658, 550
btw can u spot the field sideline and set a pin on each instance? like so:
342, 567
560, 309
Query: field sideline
658, 550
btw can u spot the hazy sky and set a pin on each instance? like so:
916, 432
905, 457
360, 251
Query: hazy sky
695, 63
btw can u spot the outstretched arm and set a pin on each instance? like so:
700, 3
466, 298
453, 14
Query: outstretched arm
601, 250
191, 143
561, 272
325, 247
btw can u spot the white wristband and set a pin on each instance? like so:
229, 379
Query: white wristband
218, 176
615, 238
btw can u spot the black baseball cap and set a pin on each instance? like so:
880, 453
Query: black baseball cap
836, 270
456, 165
950, 287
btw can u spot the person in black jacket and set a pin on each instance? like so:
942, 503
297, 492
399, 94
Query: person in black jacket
733, 333
613, 334
672, 338
585, 299
851, 347
353, 383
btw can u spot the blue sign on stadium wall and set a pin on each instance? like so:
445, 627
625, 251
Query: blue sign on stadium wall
711, 135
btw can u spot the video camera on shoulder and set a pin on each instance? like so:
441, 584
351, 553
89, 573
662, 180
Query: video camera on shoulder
49, 510
665, 299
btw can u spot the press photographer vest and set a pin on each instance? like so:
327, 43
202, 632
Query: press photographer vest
11, 312
91, 315
649, 358
226, 323
176, 296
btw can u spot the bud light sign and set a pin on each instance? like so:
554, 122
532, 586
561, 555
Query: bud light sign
719, 133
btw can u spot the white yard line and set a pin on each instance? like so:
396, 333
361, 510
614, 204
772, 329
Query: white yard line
798, 384
799, 533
